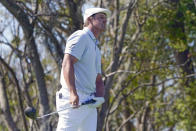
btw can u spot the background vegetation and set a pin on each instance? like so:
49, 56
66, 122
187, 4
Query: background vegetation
148, 57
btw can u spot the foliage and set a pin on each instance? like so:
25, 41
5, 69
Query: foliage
148, 89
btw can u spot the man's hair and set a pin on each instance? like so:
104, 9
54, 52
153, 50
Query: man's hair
86, 23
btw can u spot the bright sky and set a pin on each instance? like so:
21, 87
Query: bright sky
6, 29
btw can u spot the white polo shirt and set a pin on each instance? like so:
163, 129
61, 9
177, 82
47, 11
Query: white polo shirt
83, 45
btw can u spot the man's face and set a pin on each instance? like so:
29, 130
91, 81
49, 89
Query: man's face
99, 21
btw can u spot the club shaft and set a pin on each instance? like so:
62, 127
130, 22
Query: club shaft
85, 103
40, 117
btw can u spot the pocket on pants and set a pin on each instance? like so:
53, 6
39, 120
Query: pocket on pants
62, 100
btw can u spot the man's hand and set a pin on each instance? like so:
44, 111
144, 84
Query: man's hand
74, 100
98, 103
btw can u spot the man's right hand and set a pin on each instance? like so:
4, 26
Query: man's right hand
74, 100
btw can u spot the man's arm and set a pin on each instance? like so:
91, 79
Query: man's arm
100, 90
68, 73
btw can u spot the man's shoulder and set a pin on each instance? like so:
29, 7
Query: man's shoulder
78, 34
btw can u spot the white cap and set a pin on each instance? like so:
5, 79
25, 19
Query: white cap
91, 11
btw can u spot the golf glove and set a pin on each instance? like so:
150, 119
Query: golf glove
98, 103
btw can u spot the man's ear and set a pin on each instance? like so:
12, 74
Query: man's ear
90, 20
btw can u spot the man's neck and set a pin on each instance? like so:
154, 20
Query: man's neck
95, 32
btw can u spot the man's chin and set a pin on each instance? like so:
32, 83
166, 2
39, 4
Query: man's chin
103, 29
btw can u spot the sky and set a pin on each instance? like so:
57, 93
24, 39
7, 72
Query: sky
7, 29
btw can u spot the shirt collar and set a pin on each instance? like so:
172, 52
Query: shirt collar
91, 35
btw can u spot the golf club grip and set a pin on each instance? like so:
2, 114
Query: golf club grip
91, 101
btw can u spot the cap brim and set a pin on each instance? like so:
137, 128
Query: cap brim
92, 11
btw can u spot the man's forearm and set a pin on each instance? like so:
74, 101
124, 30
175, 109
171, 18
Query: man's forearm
69, 77
68, 72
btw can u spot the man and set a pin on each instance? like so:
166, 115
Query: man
81, 75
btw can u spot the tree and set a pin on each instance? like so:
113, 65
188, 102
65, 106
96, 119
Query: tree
148, 58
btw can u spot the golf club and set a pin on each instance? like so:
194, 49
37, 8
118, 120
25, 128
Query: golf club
31, 111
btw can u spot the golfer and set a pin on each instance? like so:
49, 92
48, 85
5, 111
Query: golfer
81, 78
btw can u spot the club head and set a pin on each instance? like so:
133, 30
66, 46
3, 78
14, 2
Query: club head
30, 112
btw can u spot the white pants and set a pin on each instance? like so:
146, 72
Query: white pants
75, 119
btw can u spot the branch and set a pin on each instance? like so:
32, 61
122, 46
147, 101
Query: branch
128, 119
123, 30
18, 90
5, 106
28, 30
147, 70
16, 50
119, 71
140, 86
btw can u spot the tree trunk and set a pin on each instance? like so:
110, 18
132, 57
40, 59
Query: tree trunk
183, 58
75, 14
18, 91
194, 2
114, 66
126, 113
4, 104
185, 62
27, 27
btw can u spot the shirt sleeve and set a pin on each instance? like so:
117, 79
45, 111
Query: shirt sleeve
76, 45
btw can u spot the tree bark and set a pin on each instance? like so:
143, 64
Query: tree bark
27, 27
183, 58
75, 14
5, 108
115, 64
126, 113
194, 2
185, 62
18, 91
